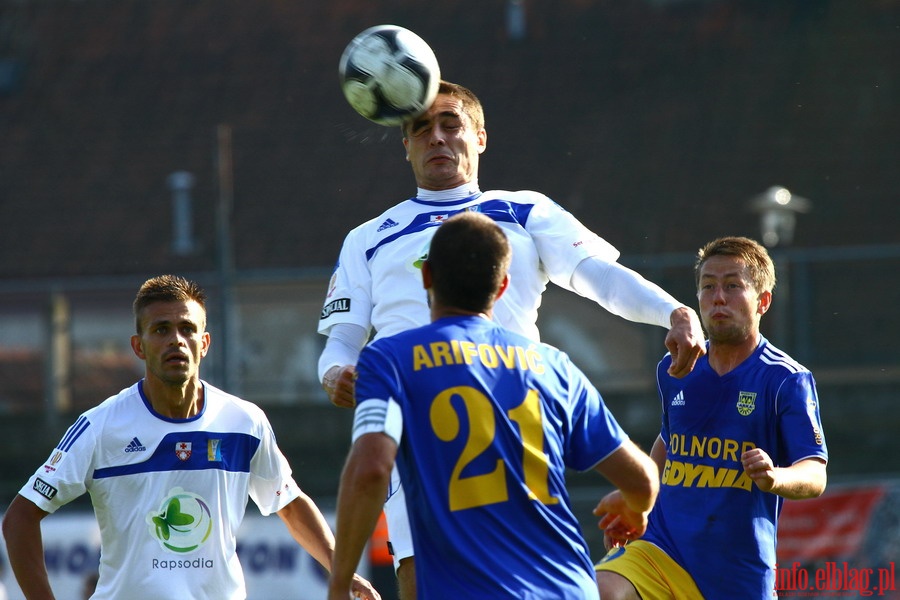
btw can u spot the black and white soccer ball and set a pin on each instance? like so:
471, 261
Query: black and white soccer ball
389, 74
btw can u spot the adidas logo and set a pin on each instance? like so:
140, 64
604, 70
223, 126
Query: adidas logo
388, 224
135, 446
678, 400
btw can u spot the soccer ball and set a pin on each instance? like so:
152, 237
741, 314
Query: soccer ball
389, 74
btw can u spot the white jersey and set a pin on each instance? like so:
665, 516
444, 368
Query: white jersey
377, 282
168, 494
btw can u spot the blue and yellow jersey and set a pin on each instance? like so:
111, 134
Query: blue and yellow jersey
487, 422
709, 516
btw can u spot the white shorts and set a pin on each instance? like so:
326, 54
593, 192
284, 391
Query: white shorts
399, 532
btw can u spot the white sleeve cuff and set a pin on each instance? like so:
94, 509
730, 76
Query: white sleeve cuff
345, 342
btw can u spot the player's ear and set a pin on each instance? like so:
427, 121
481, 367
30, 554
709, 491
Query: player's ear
426, 275
503, 285
482, 140
764, 302
204, 348
137, 348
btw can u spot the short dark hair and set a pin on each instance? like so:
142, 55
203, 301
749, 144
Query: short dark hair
469, 256
471, 105
166, 288
752, 253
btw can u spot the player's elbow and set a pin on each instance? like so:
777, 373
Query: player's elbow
640, 490
642, 494
374, 474
806, 480
22, 519
369, 472
816, 486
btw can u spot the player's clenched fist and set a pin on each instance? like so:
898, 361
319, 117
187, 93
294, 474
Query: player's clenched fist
340, 383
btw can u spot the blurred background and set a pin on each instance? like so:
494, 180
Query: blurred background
210, 139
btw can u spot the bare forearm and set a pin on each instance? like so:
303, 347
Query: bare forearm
309, 528
359, 506
25, 547
806, 479
634, 474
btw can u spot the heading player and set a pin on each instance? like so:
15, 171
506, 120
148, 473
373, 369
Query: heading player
377, 285
486, 422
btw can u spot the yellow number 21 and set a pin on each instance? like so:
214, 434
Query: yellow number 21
490, 488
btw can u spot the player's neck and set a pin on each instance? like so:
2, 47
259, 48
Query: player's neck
441, 312
725, 357
174, 401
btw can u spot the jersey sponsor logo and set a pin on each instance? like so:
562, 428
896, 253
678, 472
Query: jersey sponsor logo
135, 445
197, 563
438, 218
387, 224
746, 403
182, 523
339, 305
183, 450
417, 263
678, 400
44, 489
716, 448
685, 474
688, 473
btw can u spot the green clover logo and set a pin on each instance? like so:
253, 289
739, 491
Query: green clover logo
182, 523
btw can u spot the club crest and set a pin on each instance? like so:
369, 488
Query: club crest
746, 403
183, 450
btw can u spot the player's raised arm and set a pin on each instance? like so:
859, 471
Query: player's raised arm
626, 293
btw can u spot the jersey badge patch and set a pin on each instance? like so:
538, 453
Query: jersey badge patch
746, 403
214, 450
44, 489
331, 285
339, 305
54, 460
183, 450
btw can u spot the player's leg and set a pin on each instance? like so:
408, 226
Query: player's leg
613, 586
400, 536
